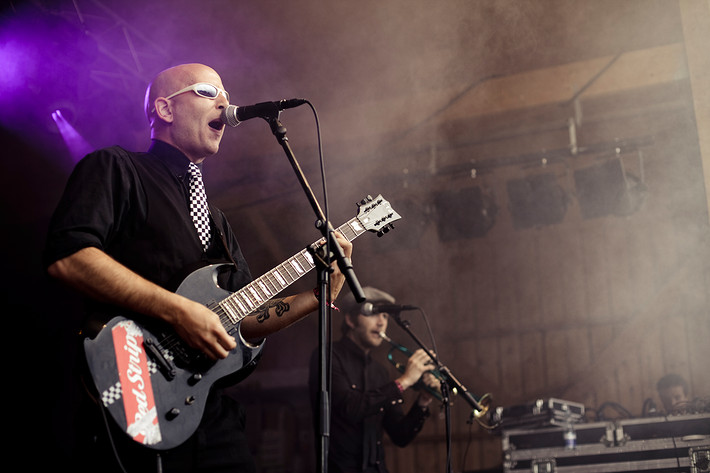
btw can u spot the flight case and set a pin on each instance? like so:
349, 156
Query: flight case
656, 444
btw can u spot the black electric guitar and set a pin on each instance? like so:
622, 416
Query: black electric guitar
154, 386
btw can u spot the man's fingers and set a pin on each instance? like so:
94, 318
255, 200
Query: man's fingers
227, 343
207, 333
217, 350
430, 380
223, 343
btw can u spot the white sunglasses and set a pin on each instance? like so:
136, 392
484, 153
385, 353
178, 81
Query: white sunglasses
203, 89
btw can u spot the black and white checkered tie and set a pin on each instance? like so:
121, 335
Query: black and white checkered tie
198, 205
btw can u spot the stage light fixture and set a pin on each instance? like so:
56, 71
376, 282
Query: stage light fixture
536, 200
77, 145
607, 189
58, 111
464, 213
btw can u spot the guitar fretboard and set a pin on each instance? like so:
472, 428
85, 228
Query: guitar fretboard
252, 296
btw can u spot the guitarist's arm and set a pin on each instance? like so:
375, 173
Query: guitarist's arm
279, 313
97, 275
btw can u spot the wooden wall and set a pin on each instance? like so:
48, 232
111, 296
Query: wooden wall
591, 310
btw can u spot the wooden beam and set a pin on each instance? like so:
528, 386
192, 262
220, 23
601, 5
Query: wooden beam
695, 15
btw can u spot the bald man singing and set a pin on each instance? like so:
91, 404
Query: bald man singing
125, 228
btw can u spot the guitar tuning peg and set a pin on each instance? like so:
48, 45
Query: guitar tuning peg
385, 229
366, 200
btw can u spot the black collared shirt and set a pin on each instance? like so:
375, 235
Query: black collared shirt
365, 401
135, 207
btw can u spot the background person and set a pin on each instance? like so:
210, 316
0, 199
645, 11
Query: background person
365, 400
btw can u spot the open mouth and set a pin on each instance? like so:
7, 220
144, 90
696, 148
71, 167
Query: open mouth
216, 124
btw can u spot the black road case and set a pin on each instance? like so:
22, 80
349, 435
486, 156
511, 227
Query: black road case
658, 444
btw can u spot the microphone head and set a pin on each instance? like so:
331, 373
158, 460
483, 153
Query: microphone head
374, 308
291, 103
229, 116
368, 308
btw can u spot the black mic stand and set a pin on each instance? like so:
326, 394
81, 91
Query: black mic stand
445, 392
449, 382
323, 258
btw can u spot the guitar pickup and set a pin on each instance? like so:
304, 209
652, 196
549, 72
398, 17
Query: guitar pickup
164, 365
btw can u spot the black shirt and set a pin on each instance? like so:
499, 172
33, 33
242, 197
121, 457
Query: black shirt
364, 402
135, 207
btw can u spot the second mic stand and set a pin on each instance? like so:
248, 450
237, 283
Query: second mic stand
447, 384
332, 249
450, 379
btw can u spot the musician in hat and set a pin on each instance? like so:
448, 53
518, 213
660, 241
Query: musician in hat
365, 399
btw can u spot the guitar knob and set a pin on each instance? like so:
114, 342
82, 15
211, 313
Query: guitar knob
194, 379
172, 413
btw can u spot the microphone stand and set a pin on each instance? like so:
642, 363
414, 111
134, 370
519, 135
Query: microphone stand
449, 382
333, 250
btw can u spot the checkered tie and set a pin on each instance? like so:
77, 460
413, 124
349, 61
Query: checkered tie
198, 205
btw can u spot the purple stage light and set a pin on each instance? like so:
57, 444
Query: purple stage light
77, 146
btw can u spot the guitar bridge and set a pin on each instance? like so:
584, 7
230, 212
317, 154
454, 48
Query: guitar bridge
164, 365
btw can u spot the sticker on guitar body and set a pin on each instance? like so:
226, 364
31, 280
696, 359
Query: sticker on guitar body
134, 377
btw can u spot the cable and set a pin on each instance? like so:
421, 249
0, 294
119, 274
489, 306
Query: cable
616, 406
111, 441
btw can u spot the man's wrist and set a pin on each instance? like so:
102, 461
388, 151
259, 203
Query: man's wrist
399, 386
403, 383
316, 293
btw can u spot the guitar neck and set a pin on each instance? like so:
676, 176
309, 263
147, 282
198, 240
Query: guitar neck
252, 296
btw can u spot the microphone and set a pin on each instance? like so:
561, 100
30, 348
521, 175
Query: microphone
368, 308
234, 114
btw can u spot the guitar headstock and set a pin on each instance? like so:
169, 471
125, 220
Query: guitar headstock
376, 215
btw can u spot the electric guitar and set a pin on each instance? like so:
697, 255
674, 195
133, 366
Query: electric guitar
154, 386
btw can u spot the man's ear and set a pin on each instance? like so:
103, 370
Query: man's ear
349, 320
163, 110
